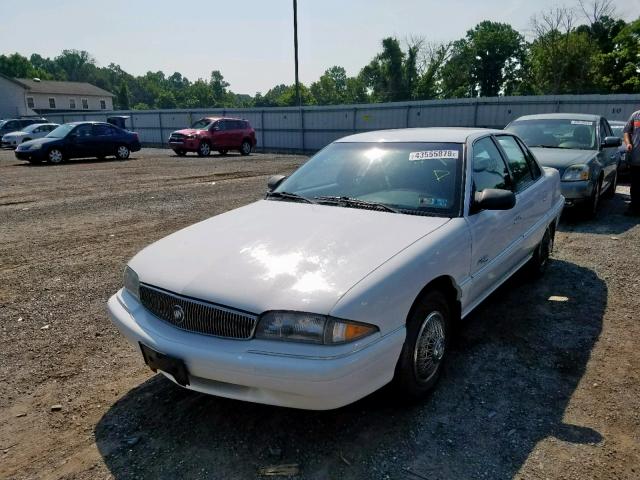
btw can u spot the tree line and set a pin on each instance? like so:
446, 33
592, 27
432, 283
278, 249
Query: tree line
579, 50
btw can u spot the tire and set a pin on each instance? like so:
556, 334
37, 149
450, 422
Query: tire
537, 266
55, 156
204, 149
181, 153
223, 151
425, 347
122, 152
590, 208
611, 191
245, 147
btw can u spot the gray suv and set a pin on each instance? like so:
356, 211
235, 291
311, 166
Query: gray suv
15, 124
583, 148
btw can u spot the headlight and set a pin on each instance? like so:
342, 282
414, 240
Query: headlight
131, 282
32, 146
576, 172
310, 328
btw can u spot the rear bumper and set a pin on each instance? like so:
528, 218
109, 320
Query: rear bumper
260, 371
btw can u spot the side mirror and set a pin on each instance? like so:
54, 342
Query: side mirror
611, 142
494, 199
274, 181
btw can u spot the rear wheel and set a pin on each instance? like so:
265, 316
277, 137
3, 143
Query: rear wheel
204, 149
425, 347
122, 152
55, 156
538, 264
245, 148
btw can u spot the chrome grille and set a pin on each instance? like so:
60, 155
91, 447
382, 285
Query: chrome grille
197, 316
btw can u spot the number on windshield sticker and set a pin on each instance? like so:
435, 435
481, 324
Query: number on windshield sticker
433, 154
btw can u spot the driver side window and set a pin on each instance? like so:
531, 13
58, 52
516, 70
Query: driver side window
489, 168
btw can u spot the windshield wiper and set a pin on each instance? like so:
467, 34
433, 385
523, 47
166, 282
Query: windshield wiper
356, 202
290, 196
544, 146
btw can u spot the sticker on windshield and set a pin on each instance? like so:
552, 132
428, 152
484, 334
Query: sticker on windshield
433, 154
433, 202
581, 122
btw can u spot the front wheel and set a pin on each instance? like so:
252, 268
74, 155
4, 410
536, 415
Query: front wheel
590, 208
611, 191
245, 148
122, 152
204, 149
425, 347
55, 156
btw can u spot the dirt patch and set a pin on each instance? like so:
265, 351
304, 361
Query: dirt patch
543, 380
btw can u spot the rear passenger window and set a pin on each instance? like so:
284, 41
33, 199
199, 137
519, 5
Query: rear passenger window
102, 130
489, 169
533, 164
518, 164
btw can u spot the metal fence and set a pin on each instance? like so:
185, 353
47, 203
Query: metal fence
311, 128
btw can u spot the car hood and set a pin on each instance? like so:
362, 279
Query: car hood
561, 158
15, 134
189, 131
38, 141
273, 255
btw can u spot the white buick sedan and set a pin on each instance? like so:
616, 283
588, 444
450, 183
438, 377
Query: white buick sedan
348, 275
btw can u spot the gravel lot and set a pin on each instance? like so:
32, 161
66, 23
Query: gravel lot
536, 388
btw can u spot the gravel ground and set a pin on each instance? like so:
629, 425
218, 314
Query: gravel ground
536, 388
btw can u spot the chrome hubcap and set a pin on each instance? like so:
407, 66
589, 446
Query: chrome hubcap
246, 148
430, 347
55, 156
204, 148
123, 152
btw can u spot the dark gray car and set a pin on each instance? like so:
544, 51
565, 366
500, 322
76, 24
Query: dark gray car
581, 147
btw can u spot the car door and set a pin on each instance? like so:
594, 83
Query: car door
236, 134
221, 137
82, 143
608, 156
532, 201
105, 139
493, 240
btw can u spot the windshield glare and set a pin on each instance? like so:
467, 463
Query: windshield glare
422, 178
556, 133
61, 131
202, 124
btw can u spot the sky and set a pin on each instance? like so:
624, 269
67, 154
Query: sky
249, 41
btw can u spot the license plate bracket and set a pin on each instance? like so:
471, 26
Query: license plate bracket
168, 364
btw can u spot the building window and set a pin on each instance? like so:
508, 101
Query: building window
103, 104
85, 104
30, 102
52, 102
72, 103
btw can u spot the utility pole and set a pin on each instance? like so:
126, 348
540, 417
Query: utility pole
295, 47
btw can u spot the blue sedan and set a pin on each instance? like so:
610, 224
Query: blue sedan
80, 140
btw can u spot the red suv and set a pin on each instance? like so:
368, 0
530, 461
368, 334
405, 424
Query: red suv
221, 134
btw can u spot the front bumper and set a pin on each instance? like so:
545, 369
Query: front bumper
261, 371
30, 154
189, 144
9, 143
576, 192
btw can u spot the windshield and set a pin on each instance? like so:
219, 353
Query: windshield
31, 128
61, 131
3, 122
556, 133
201, 124
416, 178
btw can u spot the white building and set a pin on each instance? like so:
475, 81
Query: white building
23, 97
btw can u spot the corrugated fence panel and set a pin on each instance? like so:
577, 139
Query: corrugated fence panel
280, 128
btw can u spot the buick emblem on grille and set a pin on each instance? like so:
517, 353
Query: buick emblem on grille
178, 314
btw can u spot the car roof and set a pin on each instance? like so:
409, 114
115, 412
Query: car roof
213, 119
90, 122
433, 134
561, 116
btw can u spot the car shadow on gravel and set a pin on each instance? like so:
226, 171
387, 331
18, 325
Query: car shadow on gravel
512, 370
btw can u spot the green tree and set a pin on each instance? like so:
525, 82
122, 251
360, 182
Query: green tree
331, 87
489, 57
123, 97
391, 74
621, 72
